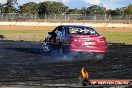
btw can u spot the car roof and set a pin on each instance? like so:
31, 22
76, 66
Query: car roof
75, 26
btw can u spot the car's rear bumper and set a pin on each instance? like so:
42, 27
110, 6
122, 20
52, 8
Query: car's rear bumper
89, 50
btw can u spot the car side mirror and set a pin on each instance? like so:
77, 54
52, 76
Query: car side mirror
49, 33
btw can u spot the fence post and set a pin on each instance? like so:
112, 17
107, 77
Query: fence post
65, 16
84, 16
105, 17
45, 16
95, 18
55, 17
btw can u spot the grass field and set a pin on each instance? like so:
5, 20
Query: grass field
113, 35
26, 35
118, 37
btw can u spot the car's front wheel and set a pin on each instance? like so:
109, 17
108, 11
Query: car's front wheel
46, 47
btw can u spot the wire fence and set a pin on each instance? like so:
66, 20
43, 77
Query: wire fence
64, 17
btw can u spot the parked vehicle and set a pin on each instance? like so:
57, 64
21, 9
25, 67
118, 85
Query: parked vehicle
82, 40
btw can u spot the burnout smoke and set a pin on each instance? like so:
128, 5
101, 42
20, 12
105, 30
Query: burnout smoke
56, 57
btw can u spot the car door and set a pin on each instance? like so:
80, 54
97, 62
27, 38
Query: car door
60, 34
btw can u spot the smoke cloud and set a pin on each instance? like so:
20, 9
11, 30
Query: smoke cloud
3, 1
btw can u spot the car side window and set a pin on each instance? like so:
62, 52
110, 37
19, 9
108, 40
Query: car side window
86, 31
60, 31
63, 31
91, 31
72, 30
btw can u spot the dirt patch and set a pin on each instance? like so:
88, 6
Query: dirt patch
11, 27
52, 27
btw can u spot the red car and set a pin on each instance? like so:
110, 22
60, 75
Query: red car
72, 39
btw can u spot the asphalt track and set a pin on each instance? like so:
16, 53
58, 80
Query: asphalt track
25, 65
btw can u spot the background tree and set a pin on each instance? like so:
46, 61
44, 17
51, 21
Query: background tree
83, 10
50, 7
116, 12
128, 10
29, 8
74, 11
1, 8
9, 7
96, 10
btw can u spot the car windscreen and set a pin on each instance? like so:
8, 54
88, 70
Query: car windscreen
82, 31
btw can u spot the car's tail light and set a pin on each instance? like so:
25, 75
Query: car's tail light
102, 39
73, 39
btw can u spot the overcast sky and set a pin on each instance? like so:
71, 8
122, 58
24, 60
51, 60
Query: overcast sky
109, 4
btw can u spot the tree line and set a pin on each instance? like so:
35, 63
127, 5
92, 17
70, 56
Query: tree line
53, 7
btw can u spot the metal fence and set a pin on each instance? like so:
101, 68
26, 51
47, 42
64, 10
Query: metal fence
62, 18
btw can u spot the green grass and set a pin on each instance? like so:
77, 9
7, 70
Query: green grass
118, 37
38, 35
27, 35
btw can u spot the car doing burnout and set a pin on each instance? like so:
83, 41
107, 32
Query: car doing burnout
73, 38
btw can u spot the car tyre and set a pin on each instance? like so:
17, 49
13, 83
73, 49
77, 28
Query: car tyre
100, 56
46, 47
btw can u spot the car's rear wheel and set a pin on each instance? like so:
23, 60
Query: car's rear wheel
99, 56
